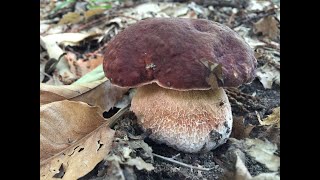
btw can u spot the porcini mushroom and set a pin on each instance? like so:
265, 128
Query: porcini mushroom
179, 67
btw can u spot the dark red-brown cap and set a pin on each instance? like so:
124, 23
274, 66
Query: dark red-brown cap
181, 54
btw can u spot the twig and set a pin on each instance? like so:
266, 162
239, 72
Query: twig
116, 117
258, 117
181, 163
254, 18
88, 24
175, 156
271, 44
221, 4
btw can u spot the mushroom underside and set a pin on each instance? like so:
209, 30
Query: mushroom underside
190, 121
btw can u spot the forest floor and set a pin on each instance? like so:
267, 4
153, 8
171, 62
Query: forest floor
253, 150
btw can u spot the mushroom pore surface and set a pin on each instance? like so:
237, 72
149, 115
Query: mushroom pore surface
190, 121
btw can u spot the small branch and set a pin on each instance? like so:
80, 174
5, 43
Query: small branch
87, 25
221, 4
181, 163
112, 120
254, 18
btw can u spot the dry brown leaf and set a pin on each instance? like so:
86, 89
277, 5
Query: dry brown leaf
93, 12
268, 26
239, 130
272, 119
74, 137
99, 93
81, 67
70, 18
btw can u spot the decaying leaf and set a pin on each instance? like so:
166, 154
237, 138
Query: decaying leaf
268, 74
258, 5
239, 129
252, 41
263, 152
65, 39
161, 9
242, 173
62, 70
93, 12
74, 137
272, 119
268, 26
70, 18
271, 133
99, 93
121, 153
81, 67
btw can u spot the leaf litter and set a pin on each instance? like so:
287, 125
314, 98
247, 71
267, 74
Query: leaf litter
78, 78
72, 133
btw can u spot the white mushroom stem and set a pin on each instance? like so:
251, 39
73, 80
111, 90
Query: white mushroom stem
190, 121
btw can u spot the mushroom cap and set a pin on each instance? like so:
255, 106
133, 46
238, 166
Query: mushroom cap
189, 121
180, 54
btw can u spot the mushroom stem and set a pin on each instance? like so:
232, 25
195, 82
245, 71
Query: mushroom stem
190, 121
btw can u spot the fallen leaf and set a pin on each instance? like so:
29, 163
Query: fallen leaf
99, 93
70, 18
271, 133
258, 5
272, 119
140, 164
252, 41
121, 153
93, 12
74, 137
70, 39
239, 130
268, 26
242, 173
263, 152
267, 75
62, 70
81, 67
94, 75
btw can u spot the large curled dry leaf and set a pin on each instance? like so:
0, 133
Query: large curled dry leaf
99, 93
74, 137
